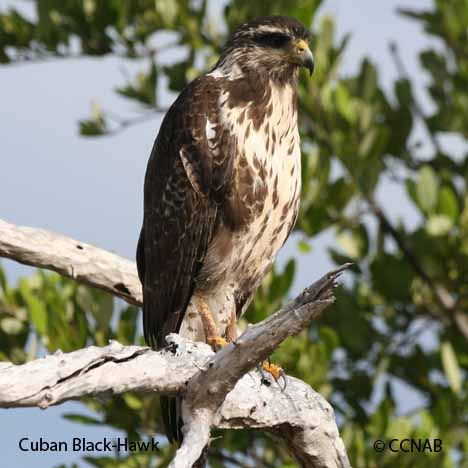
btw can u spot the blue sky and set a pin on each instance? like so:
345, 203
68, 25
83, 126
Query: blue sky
91, 189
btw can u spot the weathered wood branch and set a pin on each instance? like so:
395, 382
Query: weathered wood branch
217, 391
74, 259
302, 418
208, 389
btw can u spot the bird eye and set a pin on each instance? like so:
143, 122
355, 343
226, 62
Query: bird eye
275, 40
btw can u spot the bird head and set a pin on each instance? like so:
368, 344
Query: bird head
277, 45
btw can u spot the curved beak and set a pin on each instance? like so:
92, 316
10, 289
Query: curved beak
303, 55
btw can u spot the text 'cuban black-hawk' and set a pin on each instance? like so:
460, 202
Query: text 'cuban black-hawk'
222, 188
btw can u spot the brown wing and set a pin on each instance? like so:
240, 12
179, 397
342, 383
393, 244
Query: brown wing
185, 185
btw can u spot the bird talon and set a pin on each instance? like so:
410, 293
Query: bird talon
275, 371
285, 380
217, 342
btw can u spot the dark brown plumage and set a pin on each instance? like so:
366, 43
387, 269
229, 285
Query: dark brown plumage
185, 184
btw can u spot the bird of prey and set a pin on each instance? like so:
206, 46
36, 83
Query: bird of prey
222, 188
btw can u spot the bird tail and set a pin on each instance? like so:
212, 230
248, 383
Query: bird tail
172, 419
171, 414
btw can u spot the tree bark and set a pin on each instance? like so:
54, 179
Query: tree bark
74, 259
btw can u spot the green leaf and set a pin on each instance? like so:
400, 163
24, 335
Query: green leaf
36, 308
103, 312
410, 185
285, 279
427, 425
400, 428
127, 326
304, 246
451, 367
448, 204
438, 225
144, 87
355, 242
133, 402
392, 277
329, 340
427, 189
403, 92
3, 281
92, 127
82, 419
11, 325
367, 80
168, 10
344, 103
177, 75
100, 304
84, 297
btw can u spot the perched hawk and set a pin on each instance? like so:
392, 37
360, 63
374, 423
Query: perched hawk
222, 188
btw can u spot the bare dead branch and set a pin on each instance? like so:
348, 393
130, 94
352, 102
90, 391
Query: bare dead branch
74, 259
302, 418
217, 391
208, 389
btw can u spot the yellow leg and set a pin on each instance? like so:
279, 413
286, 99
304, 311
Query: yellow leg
209, 325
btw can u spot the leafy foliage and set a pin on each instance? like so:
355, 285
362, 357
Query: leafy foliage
401, 319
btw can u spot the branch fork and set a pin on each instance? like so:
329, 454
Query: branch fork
219, 390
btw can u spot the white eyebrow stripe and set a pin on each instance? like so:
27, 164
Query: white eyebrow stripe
269, 29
